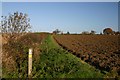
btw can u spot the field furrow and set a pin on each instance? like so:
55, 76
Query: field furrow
101, 51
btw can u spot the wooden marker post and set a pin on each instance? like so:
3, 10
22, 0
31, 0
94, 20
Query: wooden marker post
30, 63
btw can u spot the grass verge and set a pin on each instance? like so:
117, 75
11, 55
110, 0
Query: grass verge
54, 62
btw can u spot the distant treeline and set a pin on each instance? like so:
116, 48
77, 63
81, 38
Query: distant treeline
106, 31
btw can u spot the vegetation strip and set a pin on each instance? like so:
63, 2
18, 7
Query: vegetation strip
55, 62
15, 55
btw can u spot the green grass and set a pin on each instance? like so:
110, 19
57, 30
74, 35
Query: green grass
54, 62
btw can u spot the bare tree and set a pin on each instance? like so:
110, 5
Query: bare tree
15, 24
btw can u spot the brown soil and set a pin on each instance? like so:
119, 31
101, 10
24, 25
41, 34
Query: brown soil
101, 51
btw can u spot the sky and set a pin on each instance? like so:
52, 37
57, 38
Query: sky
74, 17
60, 0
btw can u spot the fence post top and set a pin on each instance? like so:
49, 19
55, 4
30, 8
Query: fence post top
30, 51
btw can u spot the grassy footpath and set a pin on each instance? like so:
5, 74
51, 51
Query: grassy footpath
54, 62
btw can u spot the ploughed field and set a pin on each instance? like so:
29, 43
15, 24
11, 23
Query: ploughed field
101, 51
